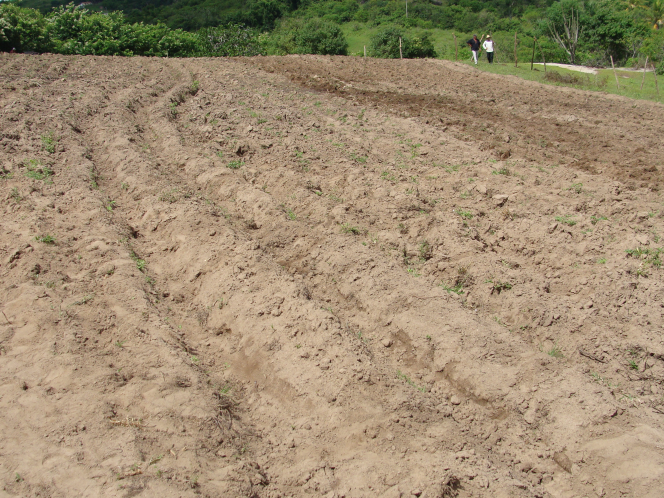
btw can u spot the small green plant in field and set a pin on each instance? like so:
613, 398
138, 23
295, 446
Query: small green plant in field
407, 380
457, 288
84, 300
555, 351
5, 174
193, 88
413, 272
109, 205
16, 195
359, 159
95, 177
465, 214
140, 263
37, 171
235, 164
428, 337
598, 378
120, 344
347, 228
502, 171
566, 219
219, 154
601, 261
124, 186
633, 365
499, 286
576, 187
425, 250
464, 195
17, 477
291, 215
46, 239
49, 141
596, 219
650, 256
173, 109
450, 168
386, 175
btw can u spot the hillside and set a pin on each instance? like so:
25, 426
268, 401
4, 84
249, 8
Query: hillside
326, 276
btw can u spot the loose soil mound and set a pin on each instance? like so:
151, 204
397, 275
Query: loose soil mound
315, 276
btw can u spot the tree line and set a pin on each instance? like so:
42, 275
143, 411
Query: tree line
576, 31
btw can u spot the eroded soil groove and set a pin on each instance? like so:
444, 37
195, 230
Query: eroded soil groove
311, 276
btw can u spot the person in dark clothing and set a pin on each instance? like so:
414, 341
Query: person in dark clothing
474, 45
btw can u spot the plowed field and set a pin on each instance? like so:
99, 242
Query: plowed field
318, 276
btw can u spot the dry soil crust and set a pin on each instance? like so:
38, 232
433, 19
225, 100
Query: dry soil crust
312, 276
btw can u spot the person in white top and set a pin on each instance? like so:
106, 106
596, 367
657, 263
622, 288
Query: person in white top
488, 46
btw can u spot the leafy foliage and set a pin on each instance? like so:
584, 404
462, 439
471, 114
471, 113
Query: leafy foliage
385, 44
620, 29
233, 40
314, 36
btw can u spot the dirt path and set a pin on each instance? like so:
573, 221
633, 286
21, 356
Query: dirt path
327, 277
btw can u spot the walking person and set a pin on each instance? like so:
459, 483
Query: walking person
474, 45
488, 47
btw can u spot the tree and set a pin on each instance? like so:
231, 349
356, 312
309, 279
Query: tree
314, 36
564, 26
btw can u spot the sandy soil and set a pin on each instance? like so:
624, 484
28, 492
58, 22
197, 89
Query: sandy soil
314, 276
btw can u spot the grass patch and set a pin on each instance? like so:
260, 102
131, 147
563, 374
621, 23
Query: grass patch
37, 171
46, 239
48, 142
457, 288
464, 214
576, 187
499, 286
237, 164
409, 381
347, 228
140, 263
647, 255
566, 219
554, 352
502, 171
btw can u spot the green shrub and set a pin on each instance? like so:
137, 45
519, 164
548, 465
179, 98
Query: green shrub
314, 36
23, 29
385, 45
233, 40
80, 31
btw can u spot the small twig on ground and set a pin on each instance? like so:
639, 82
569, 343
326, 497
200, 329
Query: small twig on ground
3, 314
591, 356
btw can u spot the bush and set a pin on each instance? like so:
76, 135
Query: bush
234, 40
385, 45
23, 29
315, 36
79, 31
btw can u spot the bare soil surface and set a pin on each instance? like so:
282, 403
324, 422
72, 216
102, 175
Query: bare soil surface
315, 276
